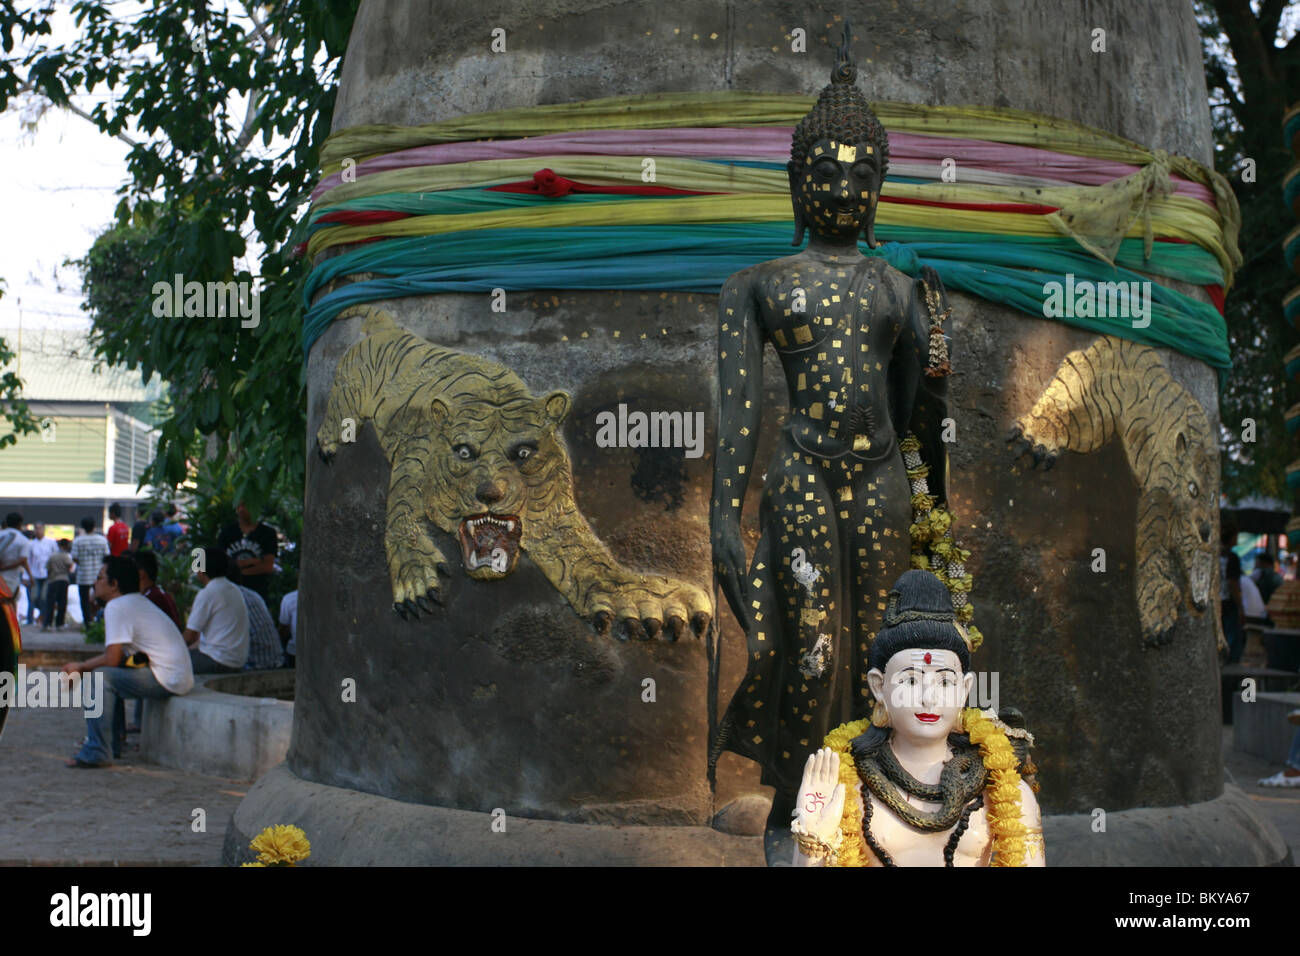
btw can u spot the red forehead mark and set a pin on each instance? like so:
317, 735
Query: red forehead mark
927, 657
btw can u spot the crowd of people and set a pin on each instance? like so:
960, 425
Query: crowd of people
1244, 597
1243, 601
150, 649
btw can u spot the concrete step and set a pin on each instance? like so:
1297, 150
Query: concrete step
57, 658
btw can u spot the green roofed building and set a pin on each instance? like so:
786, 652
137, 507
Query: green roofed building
97, 432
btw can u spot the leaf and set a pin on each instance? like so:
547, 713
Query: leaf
210, 417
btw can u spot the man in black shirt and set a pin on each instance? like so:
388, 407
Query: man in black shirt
1267, 577
251, 547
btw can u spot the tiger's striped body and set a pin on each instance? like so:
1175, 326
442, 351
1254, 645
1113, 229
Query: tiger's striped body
474, 454
1118, 389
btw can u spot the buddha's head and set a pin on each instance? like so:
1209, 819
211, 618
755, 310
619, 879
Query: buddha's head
838, 159
920, 664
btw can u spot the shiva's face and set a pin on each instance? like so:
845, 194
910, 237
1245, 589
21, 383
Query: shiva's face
837, 188
924, 691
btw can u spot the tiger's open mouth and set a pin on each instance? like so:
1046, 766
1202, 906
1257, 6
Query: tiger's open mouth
490, 544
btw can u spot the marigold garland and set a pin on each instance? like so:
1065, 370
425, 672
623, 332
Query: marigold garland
1003, 791
933, 547
853, 851
1001, 795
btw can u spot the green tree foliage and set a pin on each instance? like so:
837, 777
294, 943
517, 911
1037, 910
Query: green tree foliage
225, 105
1253, 75
16, 25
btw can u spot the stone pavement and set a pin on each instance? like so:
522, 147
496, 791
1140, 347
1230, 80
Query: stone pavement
1278, 805
126, 815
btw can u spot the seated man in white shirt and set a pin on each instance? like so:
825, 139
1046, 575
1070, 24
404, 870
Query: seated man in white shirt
289, 627
217, 631
1253, 608
264, 650
143, 655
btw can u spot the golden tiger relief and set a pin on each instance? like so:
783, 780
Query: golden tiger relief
1116, 388
476, 455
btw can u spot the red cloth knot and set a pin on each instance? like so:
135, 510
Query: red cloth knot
549, 184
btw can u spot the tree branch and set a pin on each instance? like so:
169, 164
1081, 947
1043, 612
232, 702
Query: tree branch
1270, 15
27, 87
249, 128
1254, 58
259, 30
1218, 75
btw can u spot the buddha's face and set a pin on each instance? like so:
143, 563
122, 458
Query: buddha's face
924, 691
837, 188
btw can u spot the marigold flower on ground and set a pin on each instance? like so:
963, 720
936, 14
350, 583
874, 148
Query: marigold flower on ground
281, 846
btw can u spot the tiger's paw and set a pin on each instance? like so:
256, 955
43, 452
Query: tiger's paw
1159, 613
650, 608
326, 450
1026, 438
416, 587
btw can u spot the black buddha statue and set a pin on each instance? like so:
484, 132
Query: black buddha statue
863, 354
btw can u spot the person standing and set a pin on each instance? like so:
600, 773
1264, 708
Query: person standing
172, 526
25, 579
88, 551
217, 630
40, 550
119, 535
251, 547
59, 572
161, 536
13, 554
1266, 576
1230, 603
137, 534
136, 634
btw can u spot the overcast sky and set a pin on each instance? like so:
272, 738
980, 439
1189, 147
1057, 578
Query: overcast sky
62, 182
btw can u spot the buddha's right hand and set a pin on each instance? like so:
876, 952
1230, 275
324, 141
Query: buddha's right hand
819, 805
729, 569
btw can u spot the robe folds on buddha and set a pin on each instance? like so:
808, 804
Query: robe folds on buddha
836, 504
